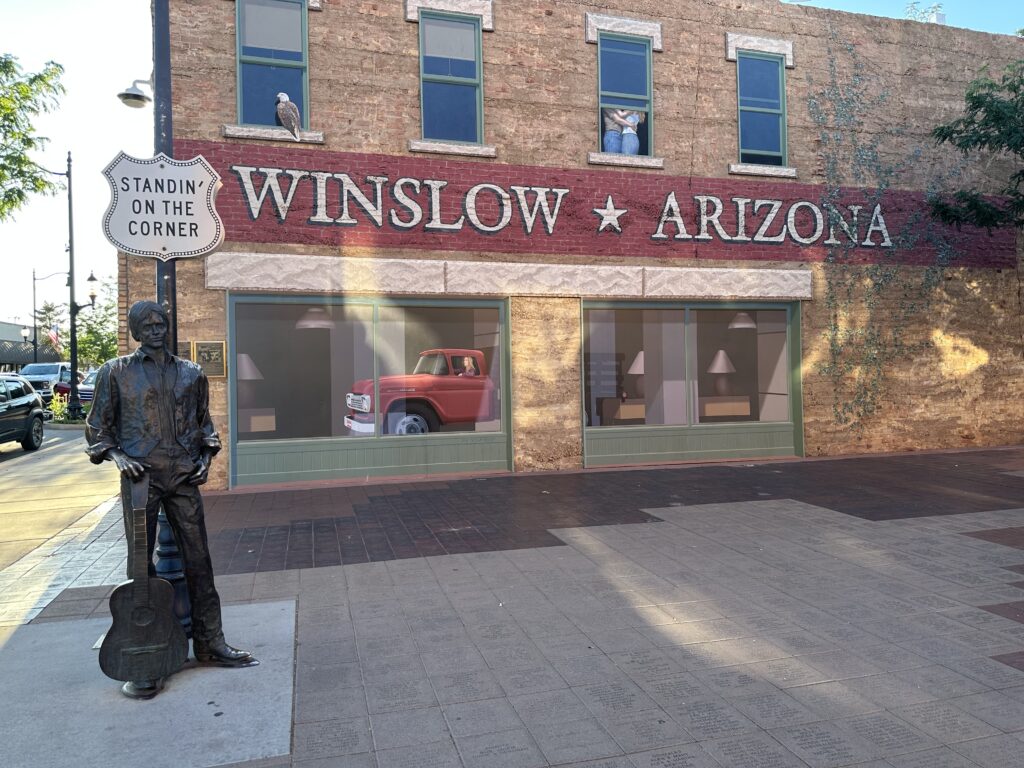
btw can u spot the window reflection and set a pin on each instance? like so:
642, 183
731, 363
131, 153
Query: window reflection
742, 368
635, 367
639, 365
294, 364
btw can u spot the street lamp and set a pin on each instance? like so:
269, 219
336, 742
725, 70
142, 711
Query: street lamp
35, 316
74, 403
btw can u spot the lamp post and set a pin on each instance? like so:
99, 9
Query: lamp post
74, 403
24, 334
169, 564
35, 317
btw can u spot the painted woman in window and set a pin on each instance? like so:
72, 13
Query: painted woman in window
469, 367
620, 134
630, 139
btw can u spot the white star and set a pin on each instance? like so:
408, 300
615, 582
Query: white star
609, 216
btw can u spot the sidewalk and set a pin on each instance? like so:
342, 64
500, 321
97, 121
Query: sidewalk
865, 611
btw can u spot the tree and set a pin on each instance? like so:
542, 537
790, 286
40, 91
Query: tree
23, 97
992, 123
48, 316
915, 12
97, 329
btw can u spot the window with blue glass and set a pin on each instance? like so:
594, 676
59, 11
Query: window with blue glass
762, 108
271, 59
451, 95
624, 70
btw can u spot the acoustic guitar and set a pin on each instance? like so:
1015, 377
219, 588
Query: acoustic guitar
146, 641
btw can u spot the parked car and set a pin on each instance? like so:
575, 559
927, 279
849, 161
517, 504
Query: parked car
442, 389
85, 387
21, 412
43, 377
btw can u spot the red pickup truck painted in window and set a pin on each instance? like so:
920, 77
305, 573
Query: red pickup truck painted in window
447, 386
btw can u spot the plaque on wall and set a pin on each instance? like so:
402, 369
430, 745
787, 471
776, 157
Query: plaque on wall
185, 350
210, 355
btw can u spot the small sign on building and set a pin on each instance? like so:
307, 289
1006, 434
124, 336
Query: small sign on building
163, 208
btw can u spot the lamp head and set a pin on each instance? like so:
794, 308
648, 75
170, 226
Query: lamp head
25, 333
133, 96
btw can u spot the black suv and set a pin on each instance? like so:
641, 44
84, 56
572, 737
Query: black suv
21, 412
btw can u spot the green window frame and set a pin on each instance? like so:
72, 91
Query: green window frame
433, 84
639, 100
250, 65
768, 111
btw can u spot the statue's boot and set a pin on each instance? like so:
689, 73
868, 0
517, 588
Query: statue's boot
223, 655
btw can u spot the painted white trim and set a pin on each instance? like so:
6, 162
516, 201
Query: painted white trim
226, 270
736, 42
482, 8
270, 133
599, 22
753, 169
722, 283
451, 148
323, 274
630, 161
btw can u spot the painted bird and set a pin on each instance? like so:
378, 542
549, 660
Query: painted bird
288, 115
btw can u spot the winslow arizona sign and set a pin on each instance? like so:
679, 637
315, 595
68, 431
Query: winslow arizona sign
411, 203
162, 208
330, 200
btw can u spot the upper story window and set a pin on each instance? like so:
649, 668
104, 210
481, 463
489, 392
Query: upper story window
624, 72
451, 81
272, 59
761, 65
761, 87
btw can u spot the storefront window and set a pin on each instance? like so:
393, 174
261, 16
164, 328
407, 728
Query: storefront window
742, 365
635, 367
440, 370
294, 365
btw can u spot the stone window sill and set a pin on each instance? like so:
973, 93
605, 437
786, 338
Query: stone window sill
626, 161
752, 169
451, 148
271, 133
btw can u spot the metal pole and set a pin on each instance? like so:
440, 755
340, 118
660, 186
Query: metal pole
163, 141
35, 322
168, 556
74, 403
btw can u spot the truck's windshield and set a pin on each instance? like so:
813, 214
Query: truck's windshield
39, 369
435, 365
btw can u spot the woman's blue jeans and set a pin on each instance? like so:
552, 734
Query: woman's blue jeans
612, 141
630, 143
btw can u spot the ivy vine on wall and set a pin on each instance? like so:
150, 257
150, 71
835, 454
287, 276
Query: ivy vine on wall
870, 305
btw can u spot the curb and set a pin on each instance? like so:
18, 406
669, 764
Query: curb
65, 427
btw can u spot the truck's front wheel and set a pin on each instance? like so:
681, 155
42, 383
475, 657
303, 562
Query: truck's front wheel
411, 420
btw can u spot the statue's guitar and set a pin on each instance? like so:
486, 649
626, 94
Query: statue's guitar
146, 641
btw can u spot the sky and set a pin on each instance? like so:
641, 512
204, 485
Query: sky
106, 44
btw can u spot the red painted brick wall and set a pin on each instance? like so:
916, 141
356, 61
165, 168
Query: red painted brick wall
642, 194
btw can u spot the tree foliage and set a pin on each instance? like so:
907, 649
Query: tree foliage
992, 124
23, 97
48, 316
915, 12
97, 329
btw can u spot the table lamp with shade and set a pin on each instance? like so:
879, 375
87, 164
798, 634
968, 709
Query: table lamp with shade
637, 369
721, 366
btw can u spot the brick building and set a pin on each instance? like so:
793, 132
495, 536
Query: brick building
654, 232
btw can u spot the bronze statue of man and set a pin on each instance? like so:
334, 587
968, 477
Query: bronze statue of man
150, 417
